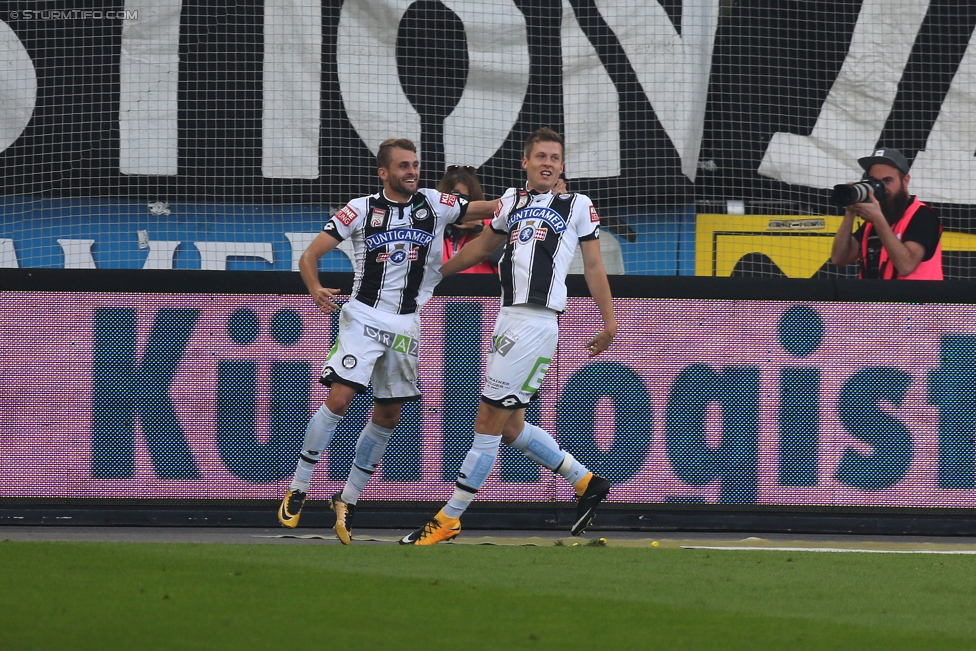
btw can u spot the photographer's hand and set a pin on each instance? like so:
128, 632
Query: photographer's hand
845, 248
869, 211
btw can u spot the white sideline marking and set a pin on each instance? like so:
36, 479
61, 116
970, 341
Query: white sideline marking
831, 549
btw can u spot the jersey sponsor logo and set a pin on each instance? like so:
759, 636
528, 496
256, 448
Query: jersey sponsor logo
529, 233
329, 227
346, 215
542, 213
448, 199
421, 215
510, 401
397, 236
399, 255
595, 218
399, 343
377, 217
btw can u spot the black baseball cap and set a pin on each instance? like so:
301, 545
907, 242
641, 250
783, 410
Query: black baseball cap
891, 157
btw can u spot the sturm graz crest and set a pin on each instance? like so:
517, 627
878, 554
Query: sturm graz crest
399, 255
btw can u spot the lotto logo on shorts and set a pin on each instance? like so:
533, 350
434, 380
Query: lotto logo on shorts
448, 199
346, 215
594, 218
399, 343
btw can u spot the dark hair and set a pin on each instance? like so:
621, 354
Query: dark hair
545, 134
384, 156
461, 174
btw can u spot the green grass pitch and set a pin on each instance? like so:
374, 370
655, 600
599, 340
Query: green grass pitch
102, 596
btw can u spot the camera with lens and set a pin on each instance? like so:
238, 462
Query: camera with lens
848, 194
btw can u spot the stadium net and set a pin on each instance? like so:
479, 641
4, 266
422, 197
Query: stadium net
221, 135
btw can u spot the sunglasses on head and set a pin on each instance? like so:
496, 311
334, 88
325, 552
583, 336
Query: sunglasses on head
470, 168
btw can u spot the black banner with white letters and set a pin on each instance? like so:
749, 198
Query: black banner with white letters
780, 80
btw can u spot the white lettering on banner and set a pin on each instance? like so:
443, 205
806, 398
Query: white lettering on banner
161, 254
18, 87
859, 102
366, 64
673, 70
301, 241
77, 254
8, 255
292, 85
591, 106
149, 68
946, 170
213, 255
498, 76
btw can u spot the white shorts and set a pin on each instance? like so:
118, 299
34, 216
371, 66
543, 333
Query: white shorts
522, 347
378, 347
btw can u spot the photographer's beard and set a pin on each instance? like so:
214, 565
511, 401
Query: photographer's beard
894, 206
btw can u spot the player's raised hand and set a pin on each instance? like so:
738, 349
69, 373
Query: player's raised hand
324, 297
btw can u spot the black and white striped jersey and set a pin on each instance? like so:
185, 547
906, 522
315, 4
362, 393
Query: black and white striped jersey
399, 246
543, 232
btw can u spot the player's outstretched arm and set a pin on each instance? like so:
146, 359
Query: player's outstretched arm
308, 265
596, 281
486, 209
473, 252
480, 210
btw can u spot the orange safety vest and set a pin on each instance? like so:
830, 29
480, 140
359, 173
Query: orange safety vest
451, 247
930, 269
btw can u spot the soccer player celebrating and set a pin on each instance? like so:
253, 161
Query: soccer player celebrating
398, 235
542, 230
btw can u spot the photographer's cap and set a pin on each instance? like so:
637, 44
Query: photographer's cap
891, 157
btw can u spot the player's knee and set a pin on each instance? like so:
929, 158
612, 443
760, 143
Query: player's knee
387, 422
511, 431
491, 420
387, 415
339, 399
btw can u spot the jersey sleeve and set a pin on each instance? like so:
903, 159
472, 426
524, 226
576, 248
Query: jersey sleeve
346, 220
450, 208
587, 219
499, 223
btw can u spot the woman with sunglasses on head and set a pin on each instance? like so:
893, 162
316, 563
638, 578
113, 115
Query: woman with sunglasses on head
461, 180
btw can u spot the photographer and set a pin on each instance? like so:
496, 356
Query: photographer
900, 235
